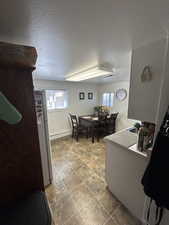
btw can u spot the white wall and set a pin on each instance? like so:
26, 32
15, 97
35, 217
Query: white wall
59, 124
119, 106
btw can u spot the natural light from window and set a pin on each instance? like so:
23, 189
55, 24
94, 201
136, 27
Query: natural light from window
108, 99
56, 99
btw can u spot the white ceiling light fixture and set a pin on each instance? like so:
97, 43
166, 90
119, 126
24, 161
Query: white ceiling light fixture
96, 71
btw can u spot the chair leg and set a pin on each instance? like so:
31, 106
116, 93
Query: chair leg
98, 137
77, 136
87, 133
92, 131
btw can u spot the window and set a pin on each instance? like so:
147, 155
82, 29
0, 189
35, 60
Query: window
108, 99
56, 99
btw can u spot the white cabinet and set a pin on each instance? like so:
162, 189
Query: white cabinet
124, 170
144, 97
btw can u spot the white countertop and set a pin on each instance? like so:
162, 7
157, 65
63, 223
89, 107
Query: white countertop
127, 140
134, 149
123, 138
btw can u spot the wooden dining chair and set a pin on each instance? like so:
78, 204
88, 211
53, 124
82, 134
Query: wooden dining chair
77, 128
101, 128
111, 123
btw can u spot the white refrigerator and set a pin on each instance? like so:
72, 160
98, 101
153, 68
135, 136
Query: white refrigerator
45, 147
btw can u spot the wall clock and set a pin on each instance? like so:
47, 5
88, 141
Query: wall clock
121, 94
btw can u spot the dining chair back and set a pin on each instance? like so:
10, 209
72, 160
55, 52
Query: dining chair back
74, 121
114, 116
77, 128
111, 123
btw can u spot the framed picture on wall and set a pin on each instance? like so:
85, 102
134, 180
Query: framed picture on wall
81, 95
90, 95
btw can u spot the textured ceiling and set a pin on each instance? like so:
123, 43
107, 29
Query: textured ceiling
73, 35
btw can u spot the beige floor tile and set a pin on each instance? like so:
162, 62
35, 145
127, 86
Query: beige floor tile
83, 197
72, 181
93, 214
63, 210
78, 195
96, 185
75, 220
108, 201
84, 172
122, 216
112, 221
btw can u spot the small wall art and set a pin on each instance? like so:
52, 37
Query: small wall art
146, 74
81, 95
90, 95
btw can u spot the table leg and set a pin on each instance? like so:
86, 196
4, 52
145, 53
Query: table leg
98, 137
92, 134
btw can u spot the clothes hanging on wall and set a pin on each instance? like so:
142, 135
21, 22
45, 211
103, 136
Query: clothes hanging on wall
155, 180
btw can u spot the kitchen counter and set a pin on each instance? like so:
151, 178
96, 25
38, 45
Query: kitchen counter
125, 166
127, 140
123, 138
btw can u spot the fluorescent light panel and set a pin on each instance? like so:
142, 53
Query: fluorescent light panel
93, 72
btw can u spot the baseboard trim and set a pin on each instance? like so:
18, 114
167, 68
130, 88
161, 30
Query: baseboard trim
59, 135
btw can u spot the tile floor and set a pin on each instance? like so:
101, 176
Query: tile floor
79, 194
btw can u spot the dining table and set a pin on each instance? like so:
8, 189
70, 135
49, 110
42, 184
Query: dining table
91, 122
